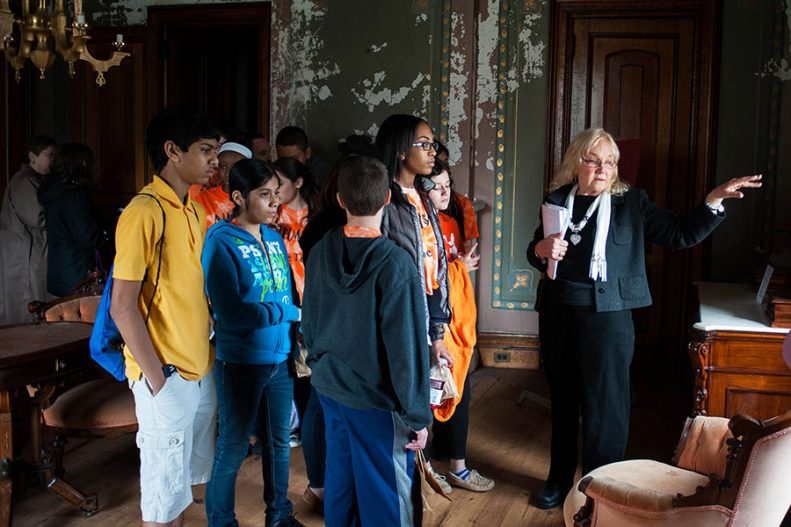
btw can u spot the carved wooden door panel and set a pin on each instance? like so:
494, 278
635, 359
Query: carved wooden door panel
644, 72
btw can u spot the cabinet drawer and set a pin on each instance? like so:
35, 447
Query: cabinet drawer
758, 355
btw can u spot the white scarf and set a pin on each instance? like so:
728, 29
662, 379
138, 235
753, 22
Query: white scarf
598, 265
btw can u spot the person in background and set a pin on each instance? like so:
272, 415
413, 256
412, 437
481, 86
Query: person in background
261, 147
229, 131
460, 202
452, 418
370, 362
585, 312
292, 141
23, 235
167, 353
248, 282
298, 200
73, 234
406, 147
215, 200
299, 197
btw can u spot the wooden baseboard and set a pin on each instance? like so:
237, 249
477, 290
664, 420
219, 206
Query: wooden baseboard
504, 350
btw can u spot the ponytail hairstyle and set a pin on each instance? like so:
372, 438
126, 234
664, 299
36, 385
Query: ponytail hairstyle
455, 209
291, 169
247, 175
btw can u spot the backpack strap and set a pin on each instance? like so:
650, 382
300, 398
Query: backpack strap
161, 244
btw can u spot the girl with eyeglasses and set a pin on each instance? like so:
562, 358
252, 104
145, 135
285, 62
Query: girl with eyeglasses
585, 310
452, 417
406, 146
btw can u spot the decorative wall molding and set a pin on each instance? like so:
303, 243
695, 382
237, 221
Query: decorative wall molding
519, 61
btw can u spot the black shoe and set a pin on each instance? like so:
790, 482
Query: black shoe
289, 521
551, 495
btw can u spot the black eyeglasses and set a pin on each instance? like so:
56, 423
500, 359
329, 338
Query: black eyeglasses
426, 146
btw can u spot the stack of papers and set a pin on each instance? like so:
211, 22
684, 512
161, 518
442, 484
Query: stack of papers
555, 219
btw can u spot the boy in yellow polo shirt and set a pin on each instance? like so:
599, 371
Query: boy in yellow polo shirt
168, 359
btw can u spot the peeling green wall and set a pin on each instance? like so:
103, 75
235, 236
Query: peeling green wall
342, 67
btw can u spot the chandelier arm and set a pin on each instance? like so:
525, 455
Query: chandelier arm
101, 66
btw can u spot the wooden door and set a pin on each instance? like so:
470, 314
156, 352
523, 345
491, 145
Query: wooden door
213, 58
644, 70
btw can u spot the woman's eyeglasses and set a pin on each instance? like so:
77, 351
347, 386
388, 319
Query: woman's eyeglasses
426, 146
595, 163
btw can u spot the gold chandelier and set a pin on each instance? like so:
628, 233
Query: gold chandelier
37, 27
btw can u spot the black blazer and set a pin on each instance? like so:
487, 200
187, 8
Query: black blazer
633, 220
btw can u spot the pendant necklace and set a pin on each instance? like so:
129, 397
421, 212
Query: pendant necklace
575, 237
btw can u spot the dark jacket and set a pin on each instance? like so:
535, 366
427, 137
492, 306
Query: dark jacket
401, 224
325, 220
634, 219
72, 234
363, 351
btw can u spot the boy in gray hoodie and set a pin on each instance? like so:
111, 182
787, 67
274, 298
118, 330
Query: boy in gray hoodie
364, 323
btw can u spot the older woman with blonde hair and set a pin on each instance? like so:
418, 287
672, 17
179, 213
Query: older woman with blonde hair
585, 317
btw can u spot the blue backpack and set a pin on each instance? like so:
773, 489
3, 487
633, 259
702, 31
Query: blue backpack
106, 343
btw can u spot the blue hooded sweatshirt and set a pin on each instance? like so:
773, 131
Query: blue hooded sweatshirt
249, 287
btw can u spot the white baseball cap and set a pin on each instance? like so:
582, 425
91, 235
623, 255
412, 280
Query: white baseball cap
236, 147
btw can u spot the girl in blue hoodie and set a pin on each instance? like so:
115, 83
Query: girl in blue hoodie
248, 283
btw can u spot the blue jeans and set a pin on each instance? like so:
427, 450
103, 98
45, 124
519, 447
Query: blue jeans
314, 445
244, 390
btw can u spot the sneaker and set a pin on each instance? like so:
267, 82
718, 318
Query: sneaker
442, 482
315, 503
474, 482
294, 441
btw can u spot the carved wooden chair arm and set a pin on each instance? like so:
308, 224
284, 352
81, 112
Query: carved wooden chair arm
37, 308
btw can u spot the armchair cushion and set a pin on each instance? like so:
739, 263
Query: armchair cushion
644, 490
100, 406
78, 309
629, 496
702, 446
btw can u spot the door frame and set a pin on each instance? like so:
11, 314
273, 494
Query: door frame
706, 49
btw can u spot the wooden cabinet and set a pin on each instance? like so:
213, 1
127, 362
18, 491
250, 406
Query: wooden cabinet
737, 356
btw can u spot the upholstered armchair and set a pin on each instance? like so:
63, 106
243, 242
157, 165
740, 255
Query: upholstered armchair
727, 473
67, 309
99, 407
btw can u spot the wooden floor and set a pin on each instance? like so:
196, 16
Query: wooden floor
509, 441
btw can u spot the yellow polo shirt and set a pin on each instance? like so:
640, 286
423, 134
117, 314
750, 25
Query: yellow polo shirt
179, 321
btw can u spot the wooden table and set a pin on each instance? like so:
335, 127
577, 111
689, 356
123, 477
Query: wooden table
737, 356
32, 354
